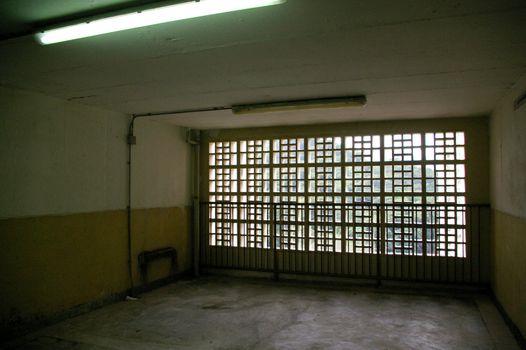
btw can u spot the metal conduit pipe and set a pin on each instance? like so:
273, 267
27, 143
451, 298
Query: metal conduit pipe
130, 140
193, 138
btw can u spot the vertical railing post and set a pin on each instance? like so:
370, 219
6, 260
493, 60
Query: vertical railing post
378, 246
273, 240
204, 230
424, 241
479, 235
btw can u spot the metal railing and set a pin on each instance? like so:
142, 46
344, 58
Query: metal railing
412, 242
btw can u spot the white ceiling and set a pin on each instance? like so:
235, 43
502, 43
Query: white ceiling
413, 59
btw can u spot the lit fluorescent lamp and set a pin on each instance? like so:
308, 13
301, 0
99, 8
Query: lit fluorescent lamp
149, 17
283, 106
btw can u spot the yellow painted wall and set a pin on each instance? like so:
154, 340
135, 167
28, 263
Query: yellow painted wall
158, 228
509, 265
53, 263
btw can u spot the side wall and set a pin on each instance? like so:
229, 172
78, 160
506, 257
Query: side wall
508, 192
63, 197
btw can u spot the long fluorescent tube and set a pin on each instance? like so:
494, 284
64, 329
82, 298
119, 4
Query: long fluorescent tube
329, 102
149, 17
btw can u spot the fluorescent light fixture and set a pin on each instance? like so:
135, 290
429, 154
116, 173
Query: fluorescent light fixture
328, 102
149, 17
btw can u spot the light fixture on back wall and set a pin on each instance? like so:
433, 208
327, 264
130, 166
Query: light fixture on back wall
148, 17
283, 106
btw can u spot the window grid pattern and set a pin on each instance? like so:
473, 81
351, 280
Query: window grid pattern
362, 233
291, 227
418, 178
222, 223
254, 225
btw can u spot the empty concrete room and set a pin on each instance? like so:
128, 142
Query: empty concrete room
262, 174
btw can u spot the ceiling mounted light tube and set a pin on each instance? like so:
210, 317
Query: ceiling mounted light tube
149, 17
328, 102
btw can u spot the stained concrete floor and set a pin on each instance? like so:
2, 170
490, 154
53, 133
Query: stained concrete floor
229, 313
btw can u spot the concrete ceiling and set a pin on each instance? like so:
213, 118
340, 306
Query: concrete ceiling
413, 59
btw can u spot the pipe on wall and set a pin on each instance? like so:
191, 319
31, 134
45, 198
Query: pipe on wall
193, 138
131, 140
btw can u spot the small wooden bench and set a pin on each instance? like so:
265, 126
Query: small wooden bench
148, 256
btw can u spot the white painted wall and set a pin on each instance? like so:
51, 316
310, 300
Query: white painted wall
508, 154
60, 157
160, 165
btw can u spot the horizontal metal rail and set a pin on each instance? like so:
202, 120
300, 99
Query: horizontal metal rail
445, 242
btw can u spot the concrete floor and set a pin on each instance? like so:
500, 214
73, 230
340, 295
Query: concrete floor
229, 313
